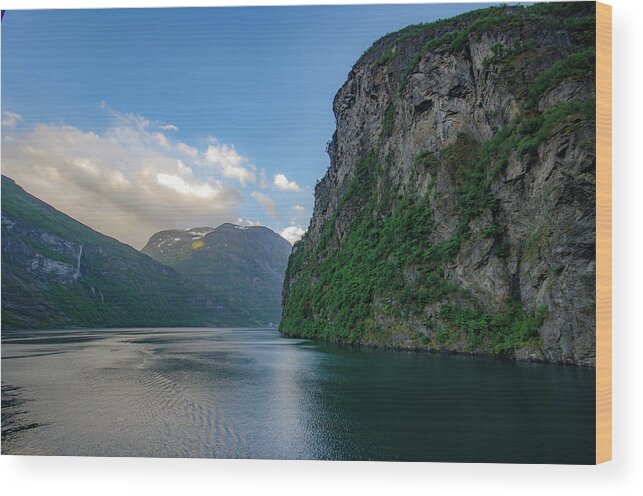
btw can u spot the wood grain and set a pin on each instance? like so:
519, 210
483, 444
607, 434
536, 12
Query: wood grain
603, 232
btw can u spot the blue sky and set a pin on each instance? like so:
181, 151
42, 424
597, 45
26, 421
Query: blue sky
142, 119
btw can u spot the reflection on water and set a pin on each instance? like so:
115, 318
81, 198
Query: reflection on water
249, 393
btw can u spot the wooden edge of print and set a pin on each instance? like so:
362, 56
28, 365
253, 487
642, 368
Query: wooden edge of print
603, 232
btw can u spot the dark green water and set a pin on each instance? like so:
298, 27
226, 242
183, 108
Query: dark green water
251, 393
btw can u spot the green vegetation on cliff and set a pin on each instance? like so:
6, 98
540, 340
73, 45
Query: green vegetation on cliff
377, 273
340, 292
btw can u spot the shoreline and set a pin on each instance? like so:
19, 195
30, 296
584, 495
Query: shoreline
436, 351
336, 342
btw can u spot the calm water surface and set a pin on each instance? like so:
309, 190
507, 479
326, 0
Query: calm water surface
249, 393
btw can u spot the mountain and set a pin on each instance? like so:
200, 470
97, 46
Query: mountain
458, 211
59, 273
244, 266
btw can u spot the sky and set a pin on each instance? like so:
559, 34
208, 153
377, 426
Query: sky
134, 121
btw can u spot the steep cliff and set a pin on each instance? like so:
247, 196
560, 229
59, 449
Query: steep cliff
458, 212
59, 273
243, 266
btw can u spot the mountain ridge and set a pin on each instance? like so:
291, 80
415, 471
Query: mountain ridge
244, 265
60, 273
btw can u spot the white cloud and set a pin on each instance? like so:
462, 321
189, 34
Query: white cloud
183, 169
263, 179
281, 182
298, 215
10, 119
292, 233
125, 182
85, 166
268, 204
169, 127
248, 222
187, 150
135, 129
229, 162
161, 139
189, 189
118, 180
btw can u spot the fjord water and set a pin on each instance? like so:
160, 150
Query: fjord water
249, 393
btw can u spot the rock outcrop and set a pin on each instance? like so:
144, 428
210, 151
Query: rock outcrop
458, 212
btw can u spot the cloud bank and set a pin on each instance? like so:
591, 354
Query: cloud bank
128, 182
135, 178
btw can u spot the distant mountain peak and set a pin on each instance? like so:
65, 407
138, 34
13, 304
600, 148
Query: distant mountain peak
244, 265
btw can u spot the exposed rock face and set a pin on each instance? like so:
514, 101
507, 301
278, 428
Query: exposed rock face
243, 266
458, 212
59, 273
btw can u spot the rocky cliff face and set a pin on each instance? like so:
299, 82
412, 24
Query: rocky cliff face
243, 266
59, 273
458, 212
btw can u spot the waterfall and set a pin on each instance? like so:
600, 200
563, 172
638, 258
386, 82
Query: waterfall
80, 254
